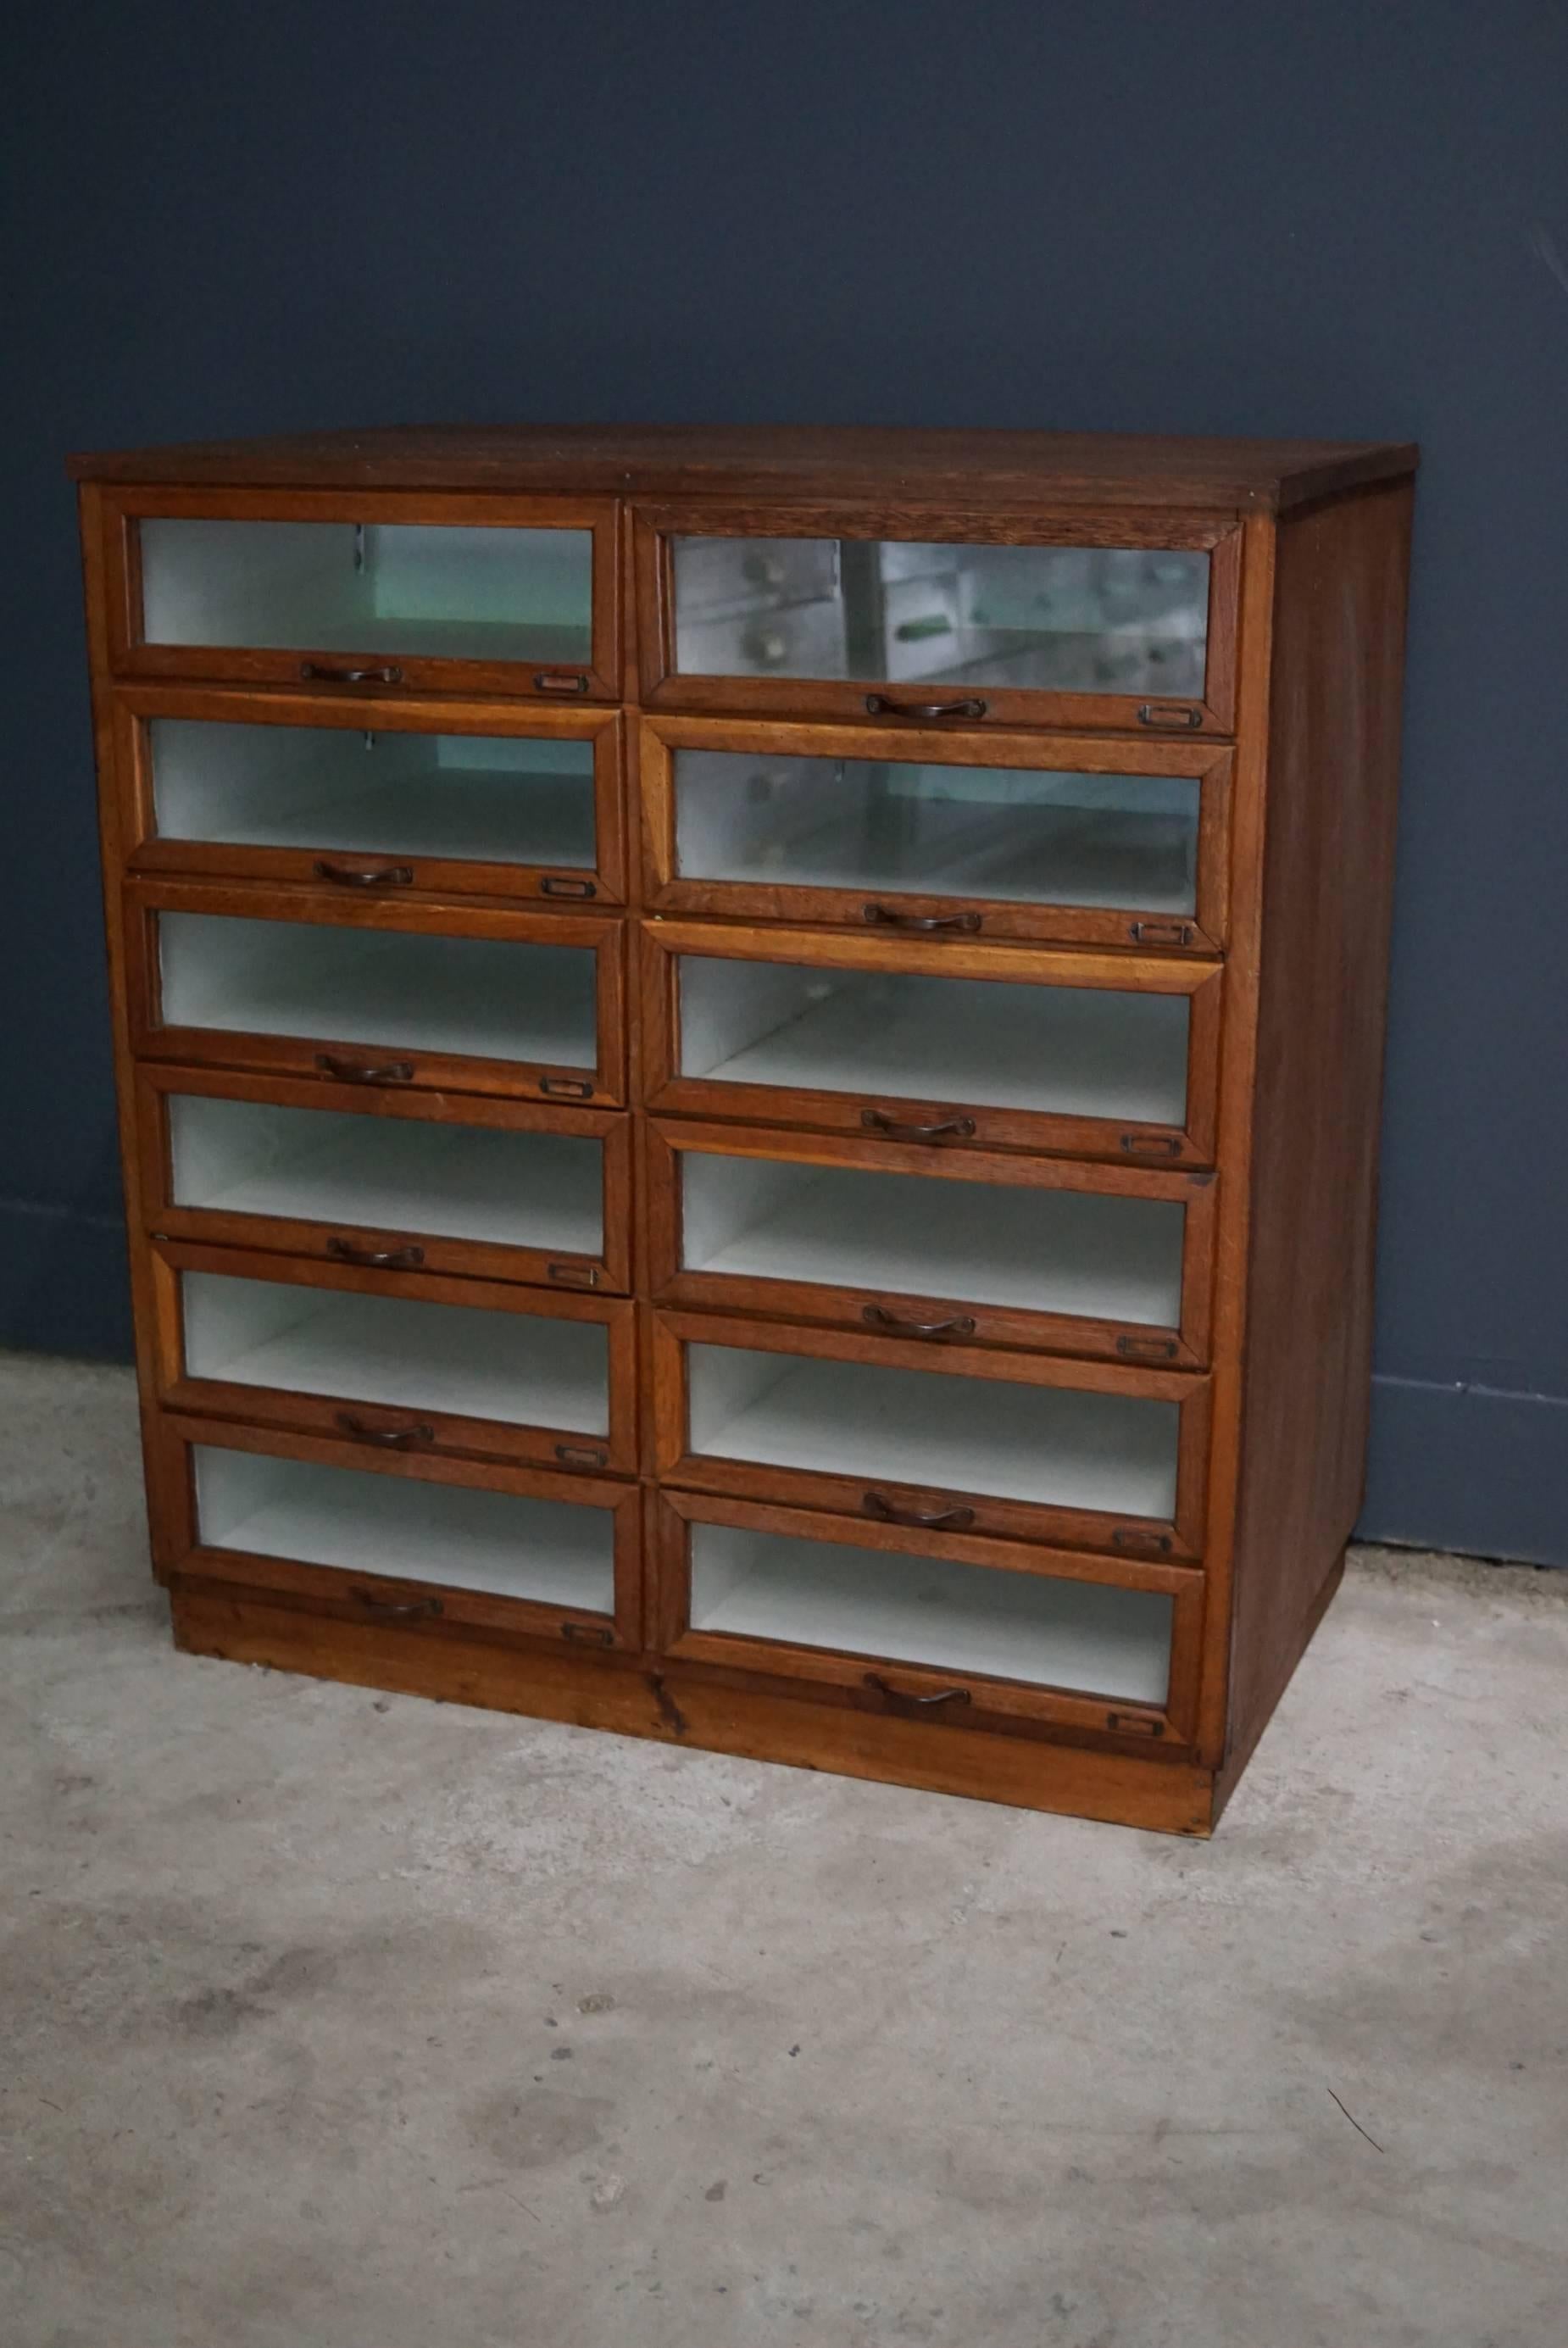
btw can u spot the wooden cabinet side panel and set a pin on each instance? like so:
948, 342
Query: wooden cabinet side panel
1341, 574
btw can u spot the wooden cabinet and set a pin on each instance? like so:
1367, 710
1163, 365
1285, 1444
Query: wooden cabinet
749, 1070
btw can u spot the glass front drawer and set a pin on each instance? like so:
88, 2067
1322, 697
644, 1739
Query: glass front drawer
402, 1540
397, 1360
999, 1249
1109, 619
1060, 619
968, 833
945, 1628
955, 1618
369, 591
945, 1042
294, 788
529, 1193
518, 1003
954, 1438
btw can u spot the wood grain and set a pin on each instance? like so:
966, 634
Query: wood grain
1151, 471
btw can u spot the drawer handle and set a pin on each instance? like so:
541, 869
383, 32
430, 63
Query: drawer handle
550, 680
1169, 712
386, 1438
356, 1071
891, 920
384, 876
879, 706
961, 1325
878, 1121
904, 1695
390, 1611
937, 1520
401, 1258
325, 675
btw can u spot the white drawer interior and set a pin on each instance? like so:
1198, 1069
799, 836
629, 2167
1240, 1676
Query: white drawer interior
556, 1552
455, 1359
1079, 1635
1020, 836
474, 996
1058, 1446
393, 1174
1073, 1051
490, 798
421, 589
1070, 1251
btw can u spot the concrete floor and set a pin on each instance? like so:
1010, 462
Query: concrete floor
337, 2020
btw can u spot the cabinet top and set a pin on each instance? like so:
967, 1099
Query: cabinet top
675, 460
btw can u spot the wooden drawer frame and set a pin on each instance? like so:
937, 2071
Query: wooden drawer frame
916, 1690
1208, 763
135, 707
662, 687
131, 656
1180, 1536
604, 934
666, 1090
668, 1141
607, 1273
447, 1433
430, 1608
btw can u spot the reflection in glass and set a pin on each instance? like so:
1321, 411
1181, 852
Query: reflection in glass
1025, 836
1046, 619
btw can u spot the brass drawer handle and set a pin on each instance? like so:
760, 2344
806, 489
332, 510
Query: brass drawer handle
356, 1071
903, 1696
386, 1438
390, 1611
939, 1520
878, 1121
961, 1325
325, 675
401, 1258
879, 706
344, 876
890, 919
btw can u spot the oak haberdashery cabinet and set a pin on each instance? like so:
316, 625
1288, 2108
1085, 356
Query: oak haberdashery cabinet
748, 1071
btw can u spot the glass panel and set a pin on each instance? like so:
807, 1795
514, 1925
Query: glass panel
491, 798
500, 1002
381, 587
1074, 1051
397, 1350
1050, 1445
1028, 837
389, 1174
1108, 1258
555, 1552
1049, 619
1082, 1635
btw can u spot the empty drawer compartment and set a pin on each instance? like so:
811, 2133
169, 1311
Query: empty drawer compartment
399, 1361
951, 1437
515, 1191
999, 1249
949, 1628
403, 1541
515, 1002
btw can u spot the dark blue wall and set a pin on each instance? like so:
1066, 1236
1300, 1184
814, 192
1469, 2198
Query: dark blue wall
1208, 218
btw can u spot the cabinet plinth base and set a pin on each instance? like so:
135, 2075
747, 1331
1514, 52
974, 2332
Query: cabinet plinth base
636, 1699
